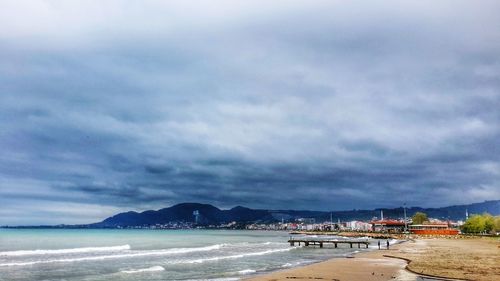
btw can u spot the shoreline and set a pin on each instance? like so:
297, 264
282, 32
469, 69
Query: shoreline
409, 260
369, 260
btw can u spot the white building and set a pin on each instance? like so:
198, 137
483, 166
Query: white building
358, 225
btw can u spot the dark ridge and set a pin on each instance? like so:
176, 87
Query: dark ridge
210, 215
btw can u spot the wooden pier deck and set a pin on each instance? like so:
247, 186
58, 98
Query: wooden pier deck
311, 242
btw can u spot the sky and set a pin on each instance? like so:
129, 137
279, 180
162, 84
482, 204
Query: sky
110, 106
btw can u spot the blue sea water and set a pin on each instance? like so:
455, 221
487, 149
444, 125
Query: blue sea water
113, 254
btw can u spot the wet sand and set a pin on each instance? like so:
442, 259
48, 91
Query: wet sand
466, 259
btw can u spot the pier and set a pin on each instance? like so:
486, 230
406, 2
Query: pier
320, 243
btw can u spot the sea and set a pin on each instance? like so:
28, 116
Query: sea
143, 254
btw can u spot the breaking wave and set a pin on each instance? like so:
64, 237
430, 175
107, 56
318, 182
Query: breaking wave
149, 269
118, 256
246, 271
236, 256
66, 251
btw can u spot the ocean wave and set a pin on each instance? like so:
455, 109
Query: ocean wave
149, 269
246, 271
118, 256
252, 244
236, 256
274, 243
216, 279
65, 251
297, 263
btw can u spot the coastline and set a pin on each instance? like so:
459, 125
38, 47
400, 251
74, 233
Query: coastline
420, 259
362, 266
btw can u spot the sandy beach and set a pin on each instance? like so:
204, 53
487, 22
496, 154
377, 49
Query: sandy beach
465, 259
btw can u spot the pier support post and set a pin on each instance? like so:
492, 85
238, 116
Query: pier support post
350, 244
321, 244
335, 245
359, 245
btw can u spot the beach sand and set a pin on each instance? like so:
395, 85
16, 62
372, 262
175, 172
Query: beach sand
467, 259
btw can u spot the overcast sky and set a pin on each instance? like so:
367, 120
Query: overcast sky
108, 106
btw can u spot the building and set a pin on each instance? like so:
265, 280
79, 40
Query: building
391, 226
358, 226
433, 229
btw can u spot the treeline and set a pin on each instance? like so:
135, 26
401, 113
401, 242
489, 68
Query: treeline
484, 223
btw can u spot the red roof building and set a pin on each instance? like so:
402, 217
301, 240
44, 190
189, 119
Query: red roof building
433, 229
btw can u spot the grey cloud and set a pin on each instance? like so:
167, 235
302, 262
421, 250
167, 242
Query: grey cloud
266, 105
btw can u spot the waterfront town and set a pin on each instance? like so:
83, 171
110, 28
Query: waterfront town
377, 224
417, 224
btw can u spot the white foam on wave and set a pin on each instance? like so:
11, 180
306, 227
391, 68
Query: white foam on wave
274, 243
149, 269
118, 256
297, 263
237, 256
65, 251
216, 279
252, 244
246, 271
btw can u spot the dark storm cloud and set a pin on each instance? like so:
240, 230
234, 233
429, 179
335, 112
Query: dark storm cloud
286, 105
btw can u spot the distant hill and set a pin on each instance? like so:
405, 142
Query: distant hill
209, 214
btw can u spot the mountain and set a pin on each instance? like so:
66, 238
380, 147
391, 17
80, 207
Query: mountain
209, 214
183, 212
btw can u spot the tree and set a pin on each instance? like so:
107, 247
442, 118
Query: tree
484, 223
475, 224
489, 222
419, 218
497, 224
